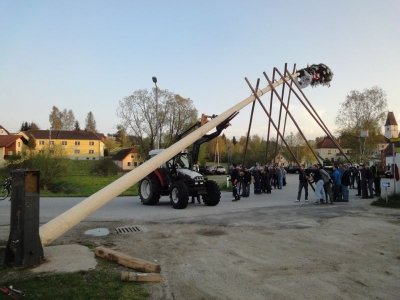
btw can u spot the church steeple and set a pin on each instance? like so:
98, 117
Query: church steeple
391, 128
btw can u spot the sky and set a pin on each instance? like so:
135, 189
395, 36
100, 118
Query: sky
88, 55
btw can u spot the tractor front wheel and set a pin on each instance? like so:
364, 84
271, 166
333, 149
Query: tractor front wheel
213, 194
179, 195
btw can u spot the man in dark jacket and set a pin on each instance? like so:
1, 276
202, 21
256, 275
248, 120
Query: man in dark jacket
370, 181
303, 184
345, 183
235, 179
377, 179
246, 180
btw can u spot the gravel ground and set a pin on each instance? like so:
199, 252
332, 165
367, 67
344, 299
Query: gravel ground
291, 251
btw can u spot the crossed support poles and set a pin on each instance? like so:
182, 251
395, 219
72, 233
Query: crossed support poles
294, 89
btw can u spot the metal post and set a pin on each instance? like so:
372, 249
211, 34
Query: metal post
394, 168
154, 78
24, 248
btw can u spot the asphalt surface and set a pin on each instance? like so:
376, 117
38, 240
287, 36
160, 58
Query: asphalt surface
130, 208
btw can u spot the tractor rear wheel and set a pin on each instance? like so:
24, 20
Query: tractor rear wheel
149, 190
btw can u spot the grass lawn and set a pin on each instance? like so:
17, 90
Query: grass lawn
84, 186
78, 180
101, 283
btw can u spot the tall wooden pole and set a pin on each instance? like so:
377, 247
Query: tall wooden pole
67, 220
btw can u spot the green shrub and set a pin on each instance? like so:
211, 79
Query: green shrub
105, 167
62, 187
49, 164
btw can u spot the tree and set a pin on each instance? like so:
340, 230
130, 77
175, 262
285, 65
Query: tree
67, 120
25, 126
61, 120
77, 127
121, 135
90, 123
147, 117
234, 141
362, 111
180, 114
55, 119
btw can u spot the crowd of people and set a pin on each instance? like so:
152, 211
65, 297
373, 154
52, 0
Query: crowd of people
264, 179
329, 186
335, 187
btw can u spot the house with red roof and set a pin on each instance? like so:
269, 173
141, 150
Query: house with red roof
128, 159
74, 144
327, 150
10, 145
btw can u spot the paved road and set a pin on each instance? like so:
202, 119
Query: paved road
130, 208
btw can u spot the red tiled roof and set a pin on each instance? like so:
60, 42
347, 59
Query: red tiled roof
121, 154
326, 143
7, 140
65, 134
1, 127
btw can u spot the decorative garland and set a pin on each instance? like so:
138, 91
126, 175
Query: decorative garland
315, 75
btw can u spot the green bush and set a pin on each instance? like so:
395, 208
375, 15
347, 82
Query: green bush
105, 167
62, 187
50, 166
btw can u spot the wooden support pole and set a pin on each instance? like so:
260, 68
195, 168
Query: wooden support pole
127, 260
64, 222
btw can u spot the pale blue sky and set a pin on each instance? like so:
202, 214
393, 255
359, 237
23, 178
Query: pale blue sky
87, 55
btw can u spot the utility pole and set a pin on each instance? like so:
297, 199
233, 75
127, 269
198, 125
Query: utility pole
154, 78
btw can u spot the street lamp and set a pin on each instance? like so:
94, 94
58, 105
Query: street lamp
363, 138
154, 78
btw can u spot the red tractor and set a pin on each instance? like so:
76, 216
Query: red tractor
179, 179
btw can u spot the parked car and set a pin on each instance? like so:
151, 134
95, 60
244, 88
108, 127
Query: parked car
209, 170
219, 170
292, 169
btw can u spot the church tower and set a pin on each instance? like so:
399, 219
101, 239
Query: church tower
391, 128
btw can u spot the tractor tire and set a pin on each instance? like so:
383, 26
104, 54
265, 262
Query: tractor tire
213, 194
179, 195
150, 190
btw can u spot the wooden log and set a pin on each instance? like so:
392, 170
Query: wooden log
140, 277
127, 260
